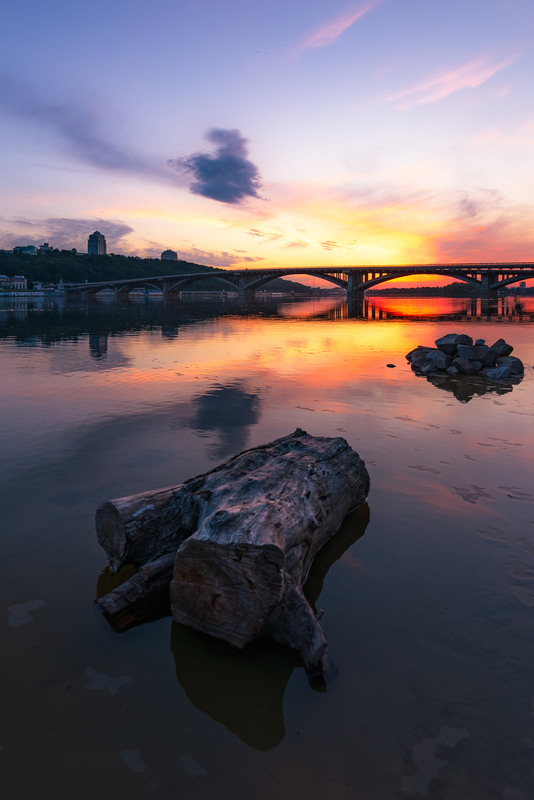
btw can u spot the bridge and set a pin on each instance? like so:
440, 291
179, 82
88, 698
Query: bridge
488, 278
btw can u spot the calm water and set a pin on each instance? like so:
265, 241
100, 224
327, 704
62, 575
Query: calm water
428, 591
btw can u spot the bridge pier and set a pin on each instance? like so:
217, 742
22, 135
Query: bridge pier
243, 288
487, 279
354, 285
355, 305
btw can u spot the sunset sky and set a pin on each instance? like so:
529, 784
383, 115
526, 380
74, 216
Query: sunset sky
284, 133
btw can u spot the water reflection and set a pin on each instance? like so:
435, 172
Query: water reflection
430, 626
465, 388
244, 690
24, 318
98, 345
375, 307
230, 411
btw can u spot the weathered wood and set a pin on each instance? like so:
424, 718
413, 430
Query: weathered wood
245, 535
142, 527
240, 574
143, 597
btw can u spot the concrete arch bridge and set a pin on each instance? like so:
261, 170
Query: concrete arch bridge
488, 278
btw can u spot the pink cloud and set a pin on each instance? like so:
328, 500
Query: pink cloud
328, 33
508, 236
522, 137
468, 76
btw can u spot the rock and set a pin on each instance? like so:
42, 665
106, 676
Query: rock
448, 343
419, 358
502, 373
465, 367
480, 351
428, 369
438, 359
420, 349
391, 366
501, 348
515, 365
465, 351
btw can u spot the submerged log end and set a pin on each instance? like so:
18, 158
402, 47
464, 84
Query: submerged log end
226, 591
294, 624
143, 597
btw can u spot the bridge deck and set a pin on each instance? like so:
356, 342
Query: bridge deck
488, 275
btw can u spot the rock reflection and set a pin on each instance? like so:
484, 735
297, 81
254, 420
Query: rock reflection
244, 690
465, 388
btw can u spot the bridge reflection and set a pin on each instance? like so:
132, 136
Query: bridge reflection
113, 315
414, 308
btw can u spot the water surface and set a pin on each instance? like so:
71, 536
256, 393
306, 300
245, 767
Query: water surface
427, 591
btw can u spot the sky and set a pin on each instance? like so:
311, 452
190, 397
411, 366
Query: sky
295, 133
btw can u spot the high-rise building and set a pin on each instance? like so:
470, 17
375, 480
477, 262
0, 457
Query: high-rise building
169, 255
96, 244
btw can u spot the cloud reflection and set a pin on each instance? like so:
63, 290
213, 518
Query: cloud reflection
230, 411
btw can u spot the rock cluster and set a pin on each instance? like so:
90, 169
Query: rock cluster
456, 355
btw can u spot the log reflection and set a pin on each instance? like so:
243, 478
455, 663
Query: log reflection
244, 689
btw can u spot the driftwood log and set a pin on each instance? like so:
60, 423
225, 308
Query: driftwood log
243, 538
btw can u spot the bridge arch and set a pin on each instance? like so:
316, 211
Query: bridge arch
368, 284
182, 283
515, 279
254, 284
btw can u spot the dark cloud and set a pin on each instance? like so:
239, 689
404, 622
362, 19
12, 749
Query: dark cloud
78, 127
63, 233
227, 176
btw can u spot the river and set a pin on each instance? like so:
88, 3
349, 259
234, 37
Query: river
427, 590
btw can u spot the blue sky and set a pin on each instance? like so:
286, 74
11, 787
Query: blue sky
393, 131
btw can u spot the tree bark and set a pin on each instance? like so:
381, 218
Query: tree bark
245, 535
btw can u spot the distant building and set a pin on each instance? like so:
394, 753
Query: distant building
96, 244
169, 255
17, 283
28, 250
45, 248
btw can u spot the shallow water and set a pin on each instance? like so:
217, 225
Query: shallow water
428, 590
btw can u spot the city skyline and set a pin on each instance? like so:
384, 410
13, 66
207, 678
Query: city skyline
362, 133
